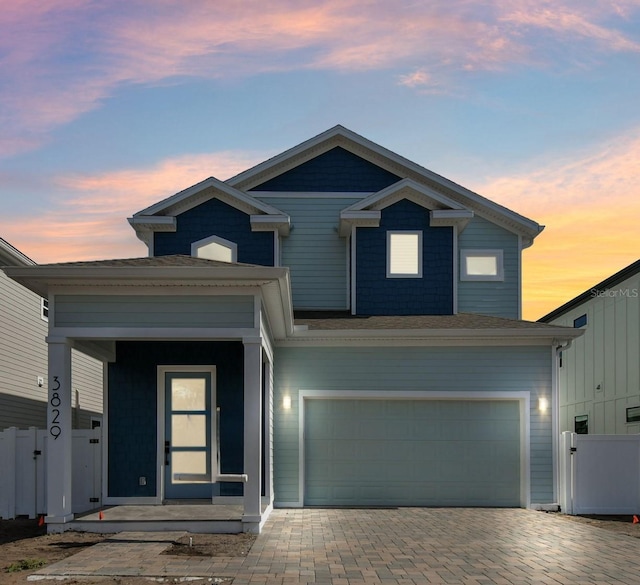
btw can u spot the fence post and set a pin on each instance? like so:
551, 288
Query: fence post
9, 471
566, 472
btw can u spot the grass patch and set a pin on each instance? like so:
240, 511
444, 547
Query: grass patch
25, 565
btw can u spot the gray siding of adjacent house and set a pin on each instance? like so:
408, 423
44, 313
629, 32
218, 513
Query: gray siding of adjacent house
23, 358
390, 369
154, 311
600, 373
498, 298
314, 252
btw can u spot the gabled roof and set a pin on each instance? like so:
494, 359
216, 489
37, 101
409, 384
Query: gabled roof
443, 210
392, 162
161, 216
607, 283
10, 256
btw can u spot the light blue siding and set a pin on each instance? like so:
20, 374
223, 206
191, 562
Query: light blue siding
314, 252
498, 298
153, 311
393, 369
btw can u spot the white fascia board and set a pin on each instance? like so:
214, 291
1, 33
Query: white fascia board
406, 188
40, 278
450, 217
269, 223
547, 336
193, 196
276, 299
365, 218
12, 256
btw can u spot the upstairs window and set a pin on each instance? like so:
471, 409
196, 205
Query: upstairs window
44, 309
581, 321
481, 265
404, 254
215, 248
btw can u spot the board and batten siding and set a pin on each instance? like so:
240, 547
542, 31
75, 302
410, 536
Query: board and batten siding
497, 298
24, 357
314, 252
391, 369
600, 373
154, 311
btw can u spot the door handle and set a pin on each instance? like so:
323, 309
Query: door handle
167, 451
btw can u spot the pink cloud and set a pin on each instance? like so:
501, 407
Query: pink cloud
591, 208
62, 58
89, 220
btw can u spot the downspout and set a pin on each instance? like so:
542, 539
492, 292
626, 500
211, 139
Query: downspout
555, 409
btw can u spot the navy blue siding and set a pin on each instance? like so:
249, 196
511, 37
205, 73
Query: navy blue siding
216, 218
133, 401
430, 295
336, 170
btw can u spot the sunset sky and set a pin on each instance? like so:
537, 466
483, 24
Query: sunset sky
107, 107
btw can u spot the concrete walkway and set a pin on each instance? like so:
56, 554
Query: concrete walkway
401, 546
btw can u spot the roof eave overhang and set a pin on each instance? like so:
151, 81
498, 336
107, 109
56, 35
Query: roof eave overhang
551, 336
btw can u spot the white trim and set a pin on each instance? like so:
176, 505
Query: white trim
277, 245
347, 267
498, 254
353, 270
44, 306
228, 244
158, 333
311, 194
523, 397
105, 433
555, 423
455, 270
160, 413
390, 234
519, 277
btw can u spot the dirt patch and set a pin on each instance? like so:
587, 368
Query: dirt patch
24, 543
621, 524
213, 545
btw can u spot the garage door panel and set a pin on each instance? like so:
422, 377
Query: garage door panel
412, 452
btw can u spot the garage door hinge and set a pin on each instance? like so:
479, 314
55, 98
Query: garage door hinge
94, 500
94, 440
573, 449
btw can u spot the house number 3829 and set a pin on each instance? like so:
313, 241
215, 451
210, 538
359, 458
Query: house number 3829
54, 429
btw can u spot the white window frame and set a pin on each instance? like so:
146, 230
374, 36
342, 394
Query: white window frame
391, 233
195, 246
44, 309
469, 253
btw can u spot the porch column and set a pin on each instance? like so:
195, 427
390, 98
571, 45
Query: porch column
252, 431
58, 449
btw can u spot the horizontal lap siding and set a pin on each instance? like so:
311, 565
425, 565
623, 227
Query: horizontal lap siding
153, 311
391, 369
314, 252
499, 298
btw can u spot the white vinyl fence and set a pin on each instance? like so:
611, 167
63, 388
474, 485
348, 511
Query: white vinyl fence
23, 471
599, 474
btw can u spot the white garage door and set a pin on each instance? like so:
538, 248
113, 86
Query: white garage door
412, 452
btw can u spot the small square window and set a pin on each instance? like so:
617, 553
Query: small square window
633, 414
404, 254
581, 321
581, 424
481, 265
44, 309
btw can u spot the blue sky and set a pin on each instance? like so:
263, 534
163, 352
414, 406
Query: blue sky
107, 107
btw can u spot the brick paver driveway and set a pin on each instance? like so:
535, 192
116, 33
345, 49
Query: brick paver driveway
391, 546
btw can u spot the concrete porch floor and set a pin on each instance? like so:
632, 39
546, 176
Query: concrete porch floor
193, 517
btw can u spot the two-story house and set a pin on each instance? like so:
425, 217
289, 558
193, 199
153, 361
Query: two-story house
335, 326
24, 318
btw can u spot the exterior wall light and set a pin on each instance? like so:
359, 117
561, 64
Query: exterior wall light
286, 402
543, 405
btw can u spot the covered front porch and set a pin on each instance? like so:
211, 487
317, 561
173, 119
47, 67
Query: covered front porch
187, 350
191, 516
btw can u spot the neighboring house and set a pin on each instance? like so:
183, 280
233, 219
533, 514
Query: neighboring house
23, 358
599, 376
340, 324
